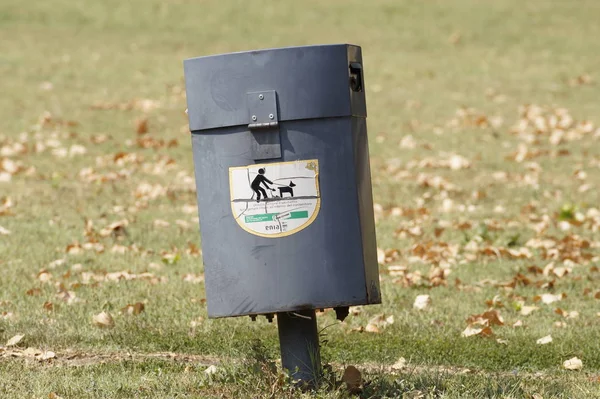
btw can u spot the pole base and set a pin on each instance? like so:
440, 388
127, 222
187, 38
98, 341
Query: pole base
299, 341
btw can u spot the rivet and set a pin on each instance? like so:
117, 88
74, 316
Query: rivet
271, 116
254, 118
261, 97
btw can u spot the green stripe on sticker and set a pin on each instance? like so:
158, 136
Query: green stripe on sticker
270, 217
298, 215
265, 217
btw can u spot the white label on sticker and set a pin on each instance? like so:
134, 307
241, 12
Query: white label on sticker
275, 199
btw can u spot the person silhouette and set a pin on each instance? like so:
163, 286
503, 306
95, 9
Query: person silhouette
260, 178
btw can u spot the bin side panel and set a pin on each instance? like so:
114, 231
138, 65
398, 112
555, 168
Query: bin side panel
365, 206
320, 266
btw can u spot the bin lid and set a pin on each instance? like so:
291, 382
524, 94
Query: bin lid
309, 81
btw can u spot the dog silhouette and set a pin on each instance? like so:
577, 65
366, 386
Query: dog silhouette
288, 189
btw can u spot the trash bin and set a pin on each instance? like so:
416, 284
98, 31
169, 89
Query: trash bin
283, 182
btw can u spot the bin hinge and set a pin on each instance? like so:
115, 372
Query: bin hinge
262, 109
264, 124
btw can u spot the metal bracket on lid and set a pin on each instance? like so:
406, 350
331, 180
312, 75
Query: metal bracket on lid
264, 124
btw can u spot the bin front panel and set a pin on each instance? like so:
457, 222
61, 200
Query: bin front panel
329, 263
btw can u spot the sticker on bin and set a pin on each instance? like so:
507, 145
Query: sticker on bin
275, 199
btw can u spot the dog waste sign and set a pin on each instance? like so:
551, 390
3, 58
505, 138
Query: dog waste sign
275, 199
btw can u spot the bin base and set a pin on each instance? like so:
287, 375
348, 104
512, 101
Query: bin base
299, 342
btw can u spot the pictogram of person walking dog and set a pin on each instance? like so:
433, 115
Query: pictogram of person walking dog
261, 180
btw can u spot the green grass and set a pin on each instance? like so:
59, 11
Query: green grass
423, 62
158, 378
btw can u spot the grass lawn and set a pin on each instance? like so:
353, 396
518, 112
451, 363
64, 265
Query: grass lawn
483, 122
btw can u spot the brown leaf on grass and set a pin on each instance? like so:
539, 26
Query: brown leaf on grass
471, 331
548, 298
44, 276
193, 278
380, 256
400, 364
74, 249
189, 209
56, 263
193, 250
353, 379
49, 306
54, 395
581, 80
422, 302
372, 328
495, 302
47, 355
116, 228
544, 340
34, 292
31, 352
378, 322
69, 297
182, 224
148, 191
489, 318
141, 104
99, 138
103, 320
5, 205
211, 370
133, 309
6, 315
161, 223
455, 38
527, 310
141, 125
573, 364
150, 142
518, 323
573, 314
14, 341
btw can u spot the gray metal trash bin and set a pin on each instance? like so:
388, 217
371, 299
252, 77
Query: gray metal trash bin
283, 181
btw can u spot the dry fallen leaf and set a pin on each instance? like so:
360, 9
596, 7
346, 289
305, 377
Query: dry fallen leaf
141, 126
472, 331
489, 318
380, 256
15, 340
161, 223
4, 231
32, 352
422, 302
544, 340
353, 379
400, 364
133, 309
103, 320
550, 298
210, 370
526, 310
379, 321
53, 395
573, 364
46, 356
